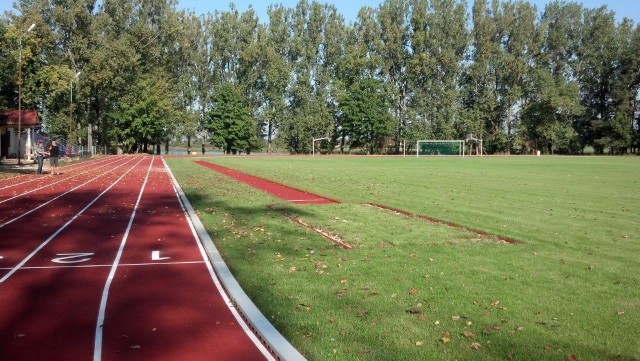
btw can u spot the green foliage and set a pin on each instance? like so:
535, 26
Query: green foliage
229, 124
144, 115
365, 119
445, 76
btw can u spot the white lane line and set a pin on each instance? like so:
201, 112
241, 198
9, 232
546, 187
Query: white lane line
97, 345
43, 244
110, 265
48, 185
61, 195
227, 300
80, 166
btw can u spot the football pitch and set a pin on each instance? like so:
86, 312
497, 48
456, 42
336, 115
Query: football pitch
414, 289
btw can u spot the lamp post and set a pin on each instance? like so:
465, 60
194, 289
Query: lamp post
20, 91
71, 105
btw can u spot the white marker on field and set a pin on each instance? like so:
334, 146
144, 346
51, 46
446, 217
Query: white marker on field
155, 256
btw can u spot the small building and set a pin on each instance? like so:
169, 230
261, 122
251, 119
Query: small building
9, 133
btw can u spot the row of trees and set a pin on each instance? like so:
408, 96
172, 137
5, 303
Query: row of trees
559, 80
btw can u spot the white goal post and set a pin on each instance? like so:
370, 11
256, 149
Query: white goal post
453, 147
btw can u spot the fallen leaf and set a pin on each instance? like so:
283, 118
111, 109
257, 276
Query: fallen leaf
468, 334
475, 346
344, 281
620, 312
412, 291
572, 357
362, 313
455, 318
446, 338
419, 343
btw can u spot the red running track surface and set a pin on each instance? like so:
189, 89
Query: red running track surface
282, 191
91, 247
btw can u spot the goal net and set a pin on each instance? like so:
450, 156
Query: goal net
440, 147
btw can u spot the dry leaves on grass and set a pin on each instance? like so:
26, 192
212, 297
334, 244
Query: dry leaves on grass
475, 346
468, 334
446, 337
413, 310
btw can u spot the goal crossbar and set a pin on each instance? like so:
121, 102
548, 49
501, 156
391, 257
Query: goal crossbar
445, 142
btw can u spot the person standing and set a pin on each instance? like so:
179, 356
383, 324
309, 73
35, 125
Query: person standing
40, 153
54, 156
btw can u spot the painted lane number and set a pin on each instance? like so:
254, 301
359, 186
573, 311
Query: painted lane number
155, 256
72, 257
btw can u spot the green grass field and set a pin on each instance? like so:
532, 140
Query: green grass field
412, 290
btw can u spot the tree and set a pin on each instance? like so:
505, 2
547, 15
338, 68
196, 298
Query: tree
144, 115
597, 53
229, 123
553, 105
365, 115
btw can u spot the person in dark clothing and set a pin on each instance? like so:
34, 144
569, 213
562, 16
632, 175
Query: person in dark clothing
40, 153
54, 156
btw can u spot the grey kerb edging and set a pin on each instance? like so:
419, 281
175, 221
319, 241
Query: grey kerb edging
265, 331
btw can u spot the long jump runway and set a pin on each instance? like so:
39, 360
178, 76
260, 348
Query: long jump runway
102, 263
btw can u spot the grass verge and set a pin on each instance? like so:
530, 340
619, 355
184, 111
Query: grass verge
410, 289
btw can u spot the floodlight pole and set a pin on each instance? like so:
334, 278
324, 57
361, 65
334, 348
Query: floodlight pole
20, 90
313, 145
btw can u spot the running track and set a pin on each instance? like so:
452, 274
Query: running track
103, 263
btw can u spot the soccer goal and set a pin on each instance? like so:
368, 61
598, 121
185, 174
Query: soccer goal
440, 147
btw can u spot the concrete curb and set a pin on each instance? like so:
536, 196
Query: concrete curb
264, 330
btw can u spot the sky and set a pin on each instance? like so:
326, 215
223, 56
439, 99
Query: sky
349, 8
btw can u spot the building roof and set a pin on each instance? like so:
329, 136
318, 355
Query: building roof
10, 118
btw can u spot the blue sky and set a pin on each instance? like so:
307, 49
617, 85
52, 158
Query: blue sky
349, 8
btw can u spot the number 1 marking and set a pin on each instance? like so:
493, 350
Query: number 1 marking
155, 256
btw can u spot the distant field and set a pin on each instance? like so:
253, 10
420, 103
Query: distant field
413, 290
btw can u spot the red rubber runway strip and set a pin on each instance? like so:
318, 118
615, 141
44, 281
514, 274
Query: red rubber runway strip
127, 235
282, 191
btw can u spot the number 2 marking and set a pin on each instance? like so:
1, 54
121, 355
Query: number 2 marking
72, 257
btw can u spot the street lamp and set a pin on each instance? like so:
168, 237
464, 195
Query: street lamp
71, 105
20, 91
